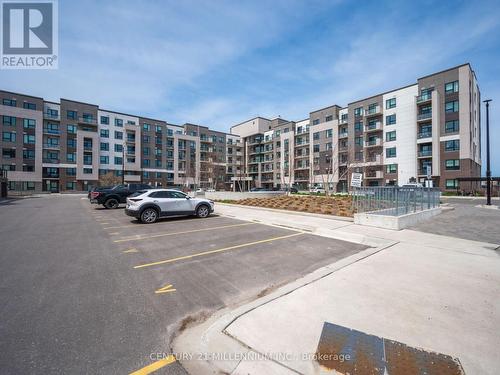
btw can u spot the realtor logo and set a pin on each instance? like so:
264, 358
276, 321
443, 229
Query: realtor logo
29, 34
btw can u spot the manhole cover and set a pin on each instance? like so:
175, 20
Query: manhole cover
351, 352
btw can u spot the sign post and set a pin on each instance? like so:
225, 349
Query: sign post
356, 179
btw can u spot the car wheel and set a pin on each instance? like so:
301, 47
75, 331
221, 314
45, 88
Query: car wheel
149, 216
111, 203
202, 211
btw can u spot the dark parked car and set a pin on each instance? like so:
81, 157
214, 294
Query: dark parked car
111, 197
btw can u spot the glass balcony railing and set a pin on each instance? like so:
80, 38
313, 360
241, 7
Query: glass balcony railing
425, 153
424, 97
424, 116
424, 135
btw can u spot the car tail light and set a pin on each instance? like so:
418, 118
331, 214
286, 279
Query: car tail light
135, 199
94, 194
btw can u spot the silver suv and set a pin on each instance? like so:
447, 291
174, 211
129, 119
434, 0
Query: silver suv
150, 205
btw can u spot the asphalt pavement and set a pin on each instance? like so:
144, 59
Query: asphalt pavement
88, 290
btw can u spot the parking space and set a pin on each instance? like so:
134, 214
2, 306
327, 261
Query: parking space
134, 283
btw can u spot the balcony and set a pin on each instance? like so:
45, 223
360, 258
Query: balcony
372, 111
50, 116
373, 159
376, 126
425, 153
51, 146
343, 162
298, 156
130, 140
374, 174
424, 116
302, 143
342, 121
424, 98
87, 120
51, 131
50, 160
424, 135
343, 135
373, 142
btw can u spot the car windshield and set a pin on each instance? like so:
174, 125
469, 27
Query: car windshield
117, 187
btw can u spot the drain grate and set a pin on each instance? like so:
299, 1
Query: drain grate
354, 352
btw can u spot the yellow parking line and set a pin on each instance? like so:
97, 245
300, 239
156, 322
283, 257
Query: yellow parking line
103, 223
146, 236
164, 222
154, 366
165, 289
114, 233
217, 250
131, 251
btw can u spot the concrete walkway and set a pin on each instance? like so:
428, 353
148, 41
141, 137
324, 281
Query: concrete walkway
428, 291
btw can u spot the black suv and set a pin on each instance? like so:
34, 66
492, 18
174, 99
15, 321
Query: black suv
111, 197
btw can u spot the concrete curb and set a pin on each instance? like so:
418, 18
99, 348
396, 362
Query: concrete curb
221, 352
290, 212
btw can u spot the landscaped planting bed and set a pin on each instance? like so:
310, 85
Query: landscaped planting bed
337, 205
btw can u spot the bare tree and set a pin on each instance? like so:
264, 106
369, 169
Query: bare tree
109, 179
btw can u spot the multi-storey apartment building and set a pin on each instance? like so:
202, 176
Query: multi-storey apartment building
73, 146
429, 128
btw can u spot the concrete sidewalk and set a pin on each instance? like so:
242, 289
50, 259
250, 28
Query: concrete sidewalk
428, 291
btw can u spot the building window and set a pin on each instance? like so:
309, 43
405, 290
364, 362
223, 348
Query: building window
71, 129
158, 163
70, 185
390, 136
87, 170
453, 145
391, 168
316, 148
29, 139
9, 167
118, 122
145, 139
71, 115
27, 105
451, 106
390, 103
9, 102
390, 120
358, 141
316, 135
9, 120
145, 163
329, 133
328, 118
105, 120
316, 122
118, 135
452, 184
451, 126
328, 146
71, 142
29, 123
104, 146
451, 87
146, 127
104, 159
390, 152
8, 136
452, 164
71, 157
358, 111
28, 154
118, 147
358, 126
104, 133
145, 151
118, 160
9, 153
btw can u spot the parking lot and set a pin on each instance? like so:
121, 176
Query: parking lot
96, 286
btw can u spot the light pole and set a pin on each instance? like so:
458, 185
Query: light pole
488, 170
123, 165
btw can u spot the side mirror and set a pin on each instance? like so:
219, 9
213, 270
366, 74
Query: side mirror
188, 197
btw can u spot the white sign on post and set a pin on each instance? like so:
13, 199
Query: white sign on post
428, 171
356, 179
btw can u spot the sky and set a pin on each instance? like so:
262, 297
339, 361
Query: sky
217, 63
